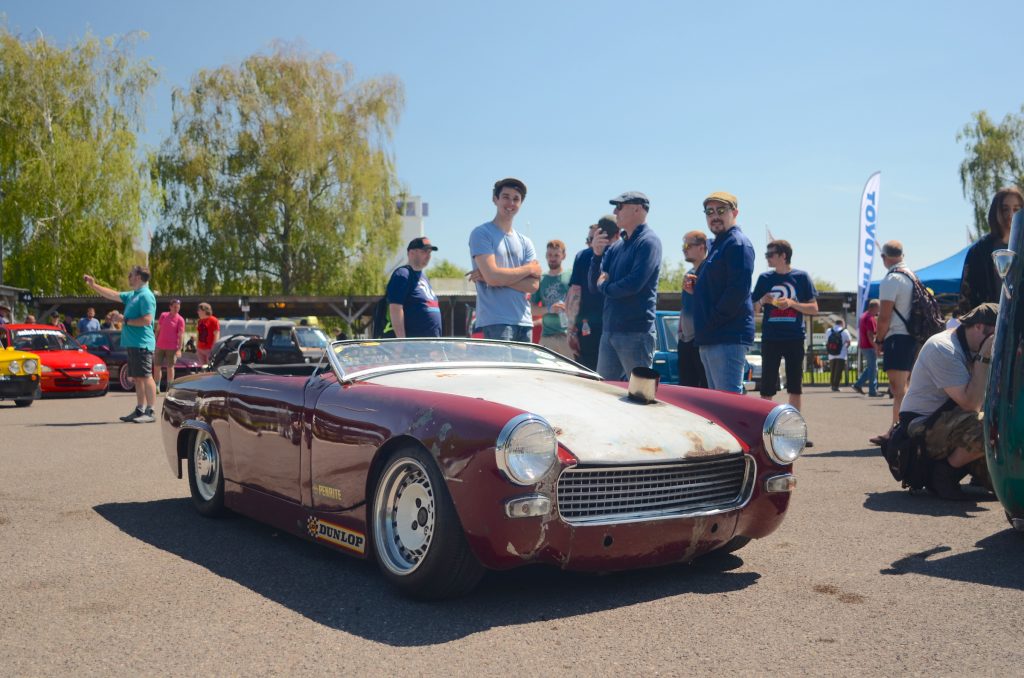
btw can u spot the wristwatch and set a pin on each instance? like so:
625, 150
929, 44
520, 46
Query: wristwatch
981, 359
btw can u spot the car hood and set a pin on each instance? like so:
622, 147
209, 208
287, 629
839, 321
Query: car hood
69, 359
593, 419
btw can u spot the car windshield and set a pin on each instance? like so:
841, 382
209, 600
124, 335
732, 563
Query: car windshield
99, 339
43, 340
311, 337
355, 358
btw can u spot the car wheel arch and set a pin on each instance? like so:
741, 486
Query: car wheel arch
187, 436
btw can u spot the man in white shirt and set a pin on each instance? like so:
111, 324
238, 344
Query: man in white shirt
892, 339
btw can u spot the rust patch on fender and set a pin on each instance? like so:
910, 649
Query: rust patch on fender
650, 449
444, 375
699, 450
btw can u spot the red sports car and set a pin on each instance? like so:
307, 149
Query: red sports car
440, 458
66, 367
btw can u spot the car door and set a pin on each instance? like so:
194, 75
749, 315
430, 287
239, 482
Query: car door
266, 419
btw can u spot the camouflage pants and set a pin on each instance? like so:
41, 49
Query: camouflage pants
959, 428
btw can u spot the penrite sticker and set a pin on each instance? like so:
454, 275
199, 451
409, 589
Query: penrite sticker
333, 533
327, 491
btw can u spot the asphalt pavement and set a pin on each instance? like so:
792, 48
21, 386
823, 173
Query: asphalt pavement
105, 569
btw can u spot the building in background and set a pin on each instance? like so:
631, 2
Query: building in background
413, 212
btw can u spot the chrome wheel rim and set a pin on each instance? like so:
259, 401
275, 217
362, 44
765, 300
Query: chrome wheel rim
404, 516
127, 383
207, 466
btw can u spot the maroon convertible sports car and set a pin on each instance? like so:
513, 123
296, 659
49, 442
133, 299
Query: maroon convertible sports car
441, 457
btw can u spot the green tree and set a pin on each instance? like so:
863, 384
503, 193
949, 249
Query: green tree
670, 279
446, 269
72, 188
277, 179
823, 285
995, 158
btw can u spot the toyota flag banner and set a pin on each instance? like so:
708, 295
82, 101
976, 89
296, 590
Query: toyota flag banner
866, 248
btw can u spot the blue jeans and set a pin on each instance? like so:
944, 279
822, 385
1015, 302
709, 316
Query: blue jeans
723, 365
620, 352
520, 333
869, 377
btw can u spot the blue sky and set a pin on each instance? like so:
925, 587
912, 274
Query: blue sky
789, 105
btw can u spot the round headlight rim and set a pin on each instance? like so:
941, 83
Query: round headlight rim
30, 366
13, 367
506, 434
769, 425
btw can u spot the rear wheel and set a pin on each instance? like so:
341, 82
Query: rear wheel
205, 475
416, 535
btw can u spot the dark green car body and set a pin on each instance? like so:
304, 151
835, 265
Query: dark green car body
1004, 416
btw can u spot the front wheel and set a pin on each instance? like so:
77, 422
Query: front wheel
23, 403
205, 475
127, 383
416, 535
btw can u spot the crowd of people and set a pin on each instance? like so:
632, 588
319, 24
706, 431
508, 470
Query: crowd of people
602, 314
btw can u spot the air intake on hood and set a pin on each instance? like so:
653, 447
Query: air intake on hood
643, 385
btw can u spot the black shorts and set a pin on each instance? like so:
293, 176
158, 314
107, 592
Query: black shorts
899, 352
140, 362
772, 353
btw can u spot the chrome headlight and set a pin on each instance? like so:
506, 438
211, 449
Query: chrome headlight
527, 448
102, 367
785, 434
30, 366
13, 367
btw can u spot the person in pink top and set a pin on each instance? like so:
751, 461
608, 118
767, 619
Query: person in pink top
867, 344
170, 340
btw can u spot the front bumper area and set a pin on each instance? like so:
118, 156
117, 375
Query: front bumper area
19, 387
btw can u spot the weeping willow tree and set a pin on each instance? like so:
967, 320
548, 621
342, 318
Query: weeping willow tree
72, 187
277, 179
995, 159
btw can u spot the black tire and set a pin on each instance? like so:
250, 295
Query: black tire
415, 533
206, 475
734, 544
23, 403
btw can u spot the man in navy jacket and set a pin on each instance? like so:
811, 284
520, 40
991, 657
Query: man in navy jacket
723, 316
626, 273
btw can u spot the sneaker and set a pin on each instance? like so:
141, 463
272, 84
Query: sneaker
876, 395
145, 418
858, 389
136, 413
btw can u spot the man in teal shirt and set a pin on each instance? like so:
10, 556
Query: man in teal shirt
137, 338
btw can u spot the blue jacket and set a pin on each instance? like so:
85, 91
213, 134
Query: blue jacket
631, 290
723, 312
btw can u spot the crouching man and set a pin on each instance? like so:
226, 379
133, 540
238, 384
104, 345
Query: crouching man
948, 385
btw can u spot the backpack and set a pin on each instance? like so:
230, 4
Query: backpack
382, 314
834, 343
906, 458
925, 317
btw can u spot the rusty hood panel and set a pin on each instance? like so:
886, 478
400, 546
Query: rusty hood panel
593, 419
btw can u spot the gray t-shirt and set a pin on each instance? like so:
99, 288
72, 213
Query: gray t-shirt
501, 305
898, 289
940, 364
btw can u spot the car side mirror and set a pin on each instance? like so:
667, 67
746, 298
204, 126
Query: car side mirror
1003, 259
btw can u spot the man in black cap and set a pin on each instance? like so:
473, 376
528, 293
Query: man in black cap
585, 309
947, 385
411, 301
626, 273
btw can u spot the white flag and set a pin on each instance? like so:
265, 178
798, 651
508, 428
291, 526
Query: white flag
867, 240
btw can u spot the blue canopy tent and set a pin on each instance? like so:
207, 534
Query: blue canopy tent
943, 277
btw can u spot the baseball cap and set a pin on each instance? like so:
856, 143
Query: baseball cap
630, 198
982, 314
421, 244
722, 196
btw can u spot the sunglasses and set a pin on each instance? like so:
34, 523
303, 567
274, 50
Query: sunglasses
688, 245
771, 253
716, 210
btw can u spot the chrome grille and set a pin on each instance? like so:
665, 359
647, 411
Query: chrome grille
603, 494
